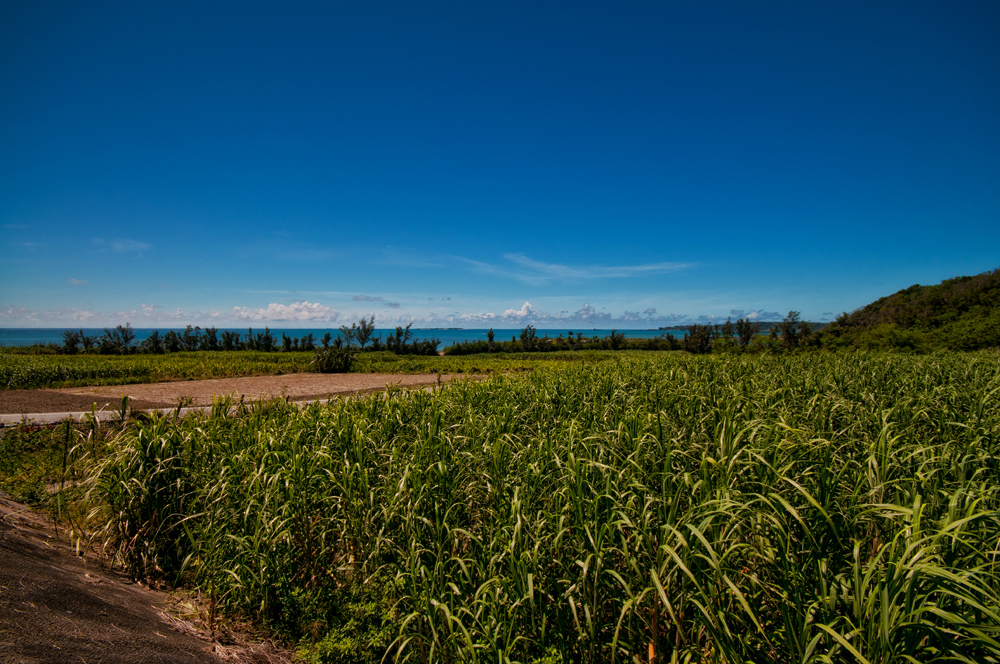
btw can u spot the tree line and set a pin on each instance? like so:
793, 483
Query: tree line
359, 336
729, 336
744, 335
530, 342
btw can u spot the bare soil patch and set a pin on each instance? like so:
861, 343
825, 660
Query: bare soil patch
297, 387
20, 402
57, 606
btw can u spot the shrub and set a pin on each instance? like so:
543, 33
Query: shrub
333, 360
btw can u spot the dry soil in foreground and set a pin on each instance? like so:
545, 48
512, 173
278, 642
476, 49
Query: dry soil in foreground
58, 606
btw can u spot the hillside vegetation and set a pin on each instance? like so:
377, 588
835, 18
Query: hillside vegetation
960, 314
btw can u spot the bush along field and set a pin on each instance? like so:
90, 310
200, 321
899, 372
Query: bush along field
726, 508
529, 342
28, 371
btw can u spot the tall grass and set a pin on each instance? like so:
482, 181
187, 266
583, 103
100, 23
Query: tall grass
837, 508
33, 371
19, 371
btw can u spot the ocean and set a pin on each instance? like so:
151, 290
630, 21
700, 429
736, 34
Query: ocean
447, 336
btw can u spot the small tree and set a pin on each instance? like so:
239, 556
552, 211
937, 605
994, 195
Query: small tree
397, 341
87, 342
230, 340
806, 334
698, 339
118, 340
152, 344
529, 339
107, 345
262, 341
172, 341
727, 328
366, 328
210, 341
347, 333
788, 329
125, 337
70, 341
191, 338
746, 330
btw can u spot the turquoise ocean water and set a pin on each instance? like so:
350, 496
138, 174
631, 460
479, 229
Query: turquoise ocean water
447, 337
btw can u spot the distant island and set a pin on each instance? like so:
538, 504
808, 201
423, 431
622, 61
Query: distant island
765, 325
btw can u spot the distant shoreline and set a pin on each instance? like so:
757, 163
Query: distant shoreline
19, 337
22, 337
764, 325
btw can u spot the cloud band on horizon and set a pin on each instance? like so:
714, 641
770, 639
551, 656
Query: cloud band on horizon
537, 272
313, 313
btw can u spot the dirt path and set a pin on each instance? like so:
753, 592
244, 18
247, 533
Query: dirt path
23, 402
56, 606
297, 387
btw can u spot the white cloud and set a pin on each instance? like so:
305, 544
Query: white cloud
297, 312
26, 317
153, 315
526, 311
587, 313
314, 314
536, 272
79, 282
304, 254
527, 314
122, 245
369, 298
591, 271
756, 314
475, 320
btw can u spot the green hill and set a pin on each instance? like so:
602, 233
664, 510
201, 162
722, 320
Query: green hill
961, 314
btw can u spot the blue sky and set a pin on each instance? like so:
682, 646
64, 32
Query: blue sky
475, 164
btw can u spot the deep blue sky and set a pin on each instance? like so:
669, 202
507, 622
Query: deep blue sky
629, 164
